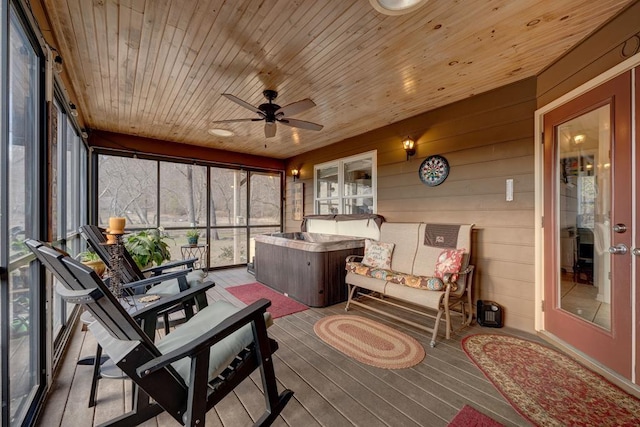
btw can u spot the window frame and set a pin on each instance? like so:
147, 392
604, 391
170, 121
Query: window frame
341, 198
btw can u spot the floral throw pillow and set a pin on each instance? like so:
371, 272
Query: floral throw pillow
377, 254
449, 261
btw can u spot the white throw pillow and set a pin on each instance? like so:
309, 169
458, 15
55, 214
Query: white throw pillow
377, 254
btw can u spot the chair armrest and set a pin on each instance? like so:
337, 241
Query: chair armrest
173, 264
354, 258
171, 301
253, 313
155, 279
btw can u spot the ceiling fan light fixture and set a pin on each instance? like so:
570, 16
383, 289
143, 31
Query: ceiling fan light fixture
225, 133
579, 139
396, 7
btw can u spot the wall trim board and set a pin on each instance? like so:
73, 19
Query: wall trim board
139, 144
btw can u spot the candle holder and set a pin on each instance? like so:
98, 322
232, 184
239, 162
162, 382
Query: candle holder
116, 257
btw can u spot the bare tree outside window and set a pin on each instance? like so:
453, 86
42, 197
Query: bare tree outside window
127, 187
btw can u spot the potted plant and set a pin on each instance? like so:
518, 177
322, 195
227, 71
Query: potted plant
148, 247
93, 261
192, 236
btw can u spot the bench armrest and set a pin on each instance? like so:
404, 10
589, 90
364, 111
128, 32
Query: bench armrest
354, 258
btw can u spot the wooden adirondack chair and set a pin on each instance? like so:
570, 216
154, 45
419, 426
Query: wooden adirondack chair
187, 372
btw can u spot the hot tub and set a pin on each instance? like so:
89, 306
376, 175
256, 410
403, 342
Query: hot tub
308, 267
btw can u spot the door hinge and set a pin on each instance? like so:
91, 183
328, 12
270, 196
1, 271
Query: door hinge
542, 138
542, 221
542, 305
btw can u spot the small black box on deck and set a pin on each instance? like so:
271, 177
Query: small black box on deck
489, 314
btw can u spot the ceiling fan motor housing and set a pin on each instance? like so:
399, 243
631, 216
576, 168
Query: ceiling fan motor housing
269, 109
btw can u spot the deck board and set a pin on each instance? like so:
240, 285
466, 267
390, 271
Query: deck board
330, 388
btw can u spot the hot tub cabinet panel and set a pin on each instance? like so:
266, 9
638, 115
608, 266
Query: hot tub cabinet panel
314, 277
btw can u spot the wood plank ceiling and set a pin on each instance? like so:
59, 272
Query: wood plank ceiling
157, 68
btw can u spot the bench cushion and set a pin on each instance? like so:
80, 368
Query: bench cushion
428, 283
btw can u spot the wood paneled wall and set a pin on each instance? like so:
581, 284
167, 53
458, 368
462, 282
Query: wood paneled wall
606, 47
486, 139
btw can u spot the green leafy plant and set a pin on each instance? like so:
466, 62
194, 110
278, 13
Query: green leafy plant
87, 256
92, 259
148, 247
193, 233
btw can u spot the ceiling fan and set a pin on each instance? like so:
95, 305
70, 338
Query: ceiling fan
272, 113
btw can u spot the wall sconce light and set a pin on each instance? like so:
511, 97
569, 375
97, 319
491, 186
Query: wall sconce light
57, 63
409, 146
295, 173
74, 110
579, 139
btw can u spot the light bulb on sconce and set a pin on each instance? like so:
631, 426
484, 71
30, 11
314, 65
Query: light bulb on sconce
409, 146
295, 173
579, 139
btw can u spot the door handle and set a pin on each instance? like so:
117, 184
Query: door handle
619, 249
636, 251
619, 228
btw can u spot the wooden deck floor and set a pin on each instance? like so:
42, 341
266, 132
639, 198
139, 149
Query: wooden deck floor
330, 388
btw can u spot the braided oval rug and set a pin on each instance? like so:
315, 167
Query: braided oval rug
369, 342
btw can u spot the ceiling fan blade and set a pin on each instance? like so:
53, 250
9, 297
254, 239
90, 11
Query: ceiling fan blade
241, 103
235, 120
296, 107
269, 129
294, 123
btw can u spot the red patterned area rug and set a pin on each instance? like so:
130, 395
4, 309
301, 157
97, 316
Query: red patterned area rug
471, 417
280, 305
547, 387
369, 342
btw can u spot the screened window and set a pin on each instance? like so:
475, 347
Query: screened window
128, 187
183, 202
68, 198
21, 192
227, 206
346, 186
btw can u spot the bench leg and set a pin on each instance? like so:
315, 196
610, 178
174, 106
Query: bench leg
351, 290
435, 329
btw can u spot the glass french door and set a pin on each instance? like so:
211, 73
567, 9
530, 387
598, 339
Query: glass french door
588, 224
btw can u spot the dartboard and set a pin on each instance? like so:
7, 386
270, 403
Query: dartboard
434, 170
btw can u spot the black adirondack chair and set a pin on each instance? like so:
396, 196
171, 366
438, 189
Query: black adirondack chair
187, 372
130, 272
